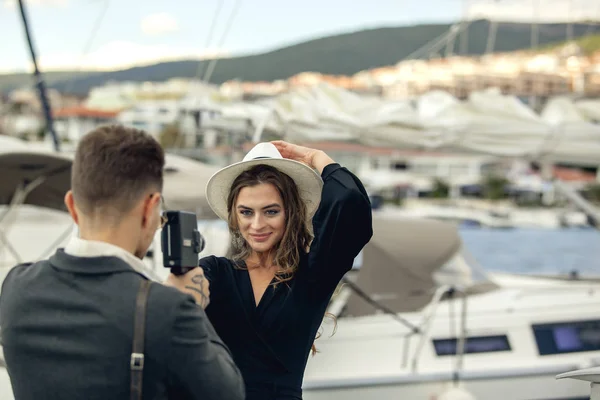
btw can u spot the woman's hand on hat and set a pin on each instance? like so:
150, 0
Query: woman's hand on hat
316, 159
294, 152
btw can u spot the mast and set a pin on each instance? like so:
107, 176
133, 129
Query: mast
39, 79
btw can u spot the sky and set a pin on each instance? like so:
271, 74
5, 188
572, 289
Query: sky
137, 32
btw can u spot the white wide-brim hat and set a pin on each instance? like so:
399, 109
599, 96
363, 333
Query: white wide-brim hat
307, 180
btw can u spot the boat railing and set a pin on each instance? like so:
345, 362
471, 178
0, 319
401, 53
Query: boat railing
544, 290
427, 323
591, 375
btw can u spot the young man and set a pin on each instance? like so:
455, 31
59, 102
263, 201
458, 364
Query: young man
68, 322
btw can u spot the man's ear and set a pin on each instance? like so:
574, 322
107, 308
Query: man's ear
70, 203
150, 203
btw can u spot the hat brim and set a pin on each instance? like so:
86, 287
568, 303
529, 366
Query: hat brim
308, 181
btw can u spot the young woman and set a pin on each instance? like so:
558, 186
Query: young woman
268, 298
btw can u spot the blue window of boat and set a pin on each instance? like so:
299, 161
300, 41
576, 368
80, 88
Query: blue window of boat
567, 337
473, 345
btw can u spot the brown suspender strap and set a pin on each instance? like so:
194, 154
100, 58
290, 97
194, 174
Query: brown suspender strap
137, 355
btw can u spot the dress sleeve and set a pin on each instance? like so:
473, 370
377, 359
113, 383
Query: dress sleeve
213, 271
342, 227
210, 266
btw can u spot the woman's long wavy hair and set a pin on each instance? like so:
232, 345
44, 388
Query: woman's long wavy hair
296, 237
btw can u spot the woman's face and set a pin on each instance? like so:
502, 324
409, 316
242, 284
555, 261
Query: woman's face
260, 216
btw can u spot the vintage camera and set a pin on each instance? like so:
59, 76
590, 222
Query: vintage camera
181, 242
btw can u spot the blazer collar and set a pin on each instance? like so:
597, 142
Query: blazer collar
89, 265
82, 248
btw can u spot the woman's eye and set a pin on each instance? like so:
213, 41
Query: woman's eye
272, 212
246, 212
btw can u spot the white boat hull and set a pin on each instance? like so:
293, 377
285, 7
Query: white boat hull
526, 387
370, 357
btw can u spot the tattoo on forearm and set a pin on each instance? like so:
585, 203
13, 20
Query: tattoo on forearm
198, 280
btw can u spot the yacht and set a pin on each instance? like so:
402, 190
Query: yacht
420, 317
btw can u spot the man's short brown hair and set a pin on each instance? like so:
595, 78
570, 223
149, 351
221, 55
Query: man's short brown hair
114, 167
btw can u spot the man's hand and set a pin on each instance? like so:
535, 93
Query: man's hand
194, 283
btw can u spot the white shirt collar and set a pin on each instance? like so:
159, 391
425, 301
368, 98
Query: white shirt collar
78, 247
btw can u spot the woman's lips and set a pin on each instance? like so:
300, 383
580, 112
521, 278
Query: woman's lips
261, 237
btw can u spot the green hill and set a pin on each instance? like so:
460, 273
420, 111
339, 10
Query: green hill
345, 54
587, 43
22, 79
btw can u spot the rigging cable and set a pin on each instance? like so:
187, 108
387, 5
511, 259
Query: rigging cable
88, 46
211, 31
213, 62
356, 289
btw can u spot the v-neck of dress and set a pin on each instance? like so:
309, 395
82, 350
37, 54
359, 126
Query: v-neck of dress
256, 309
